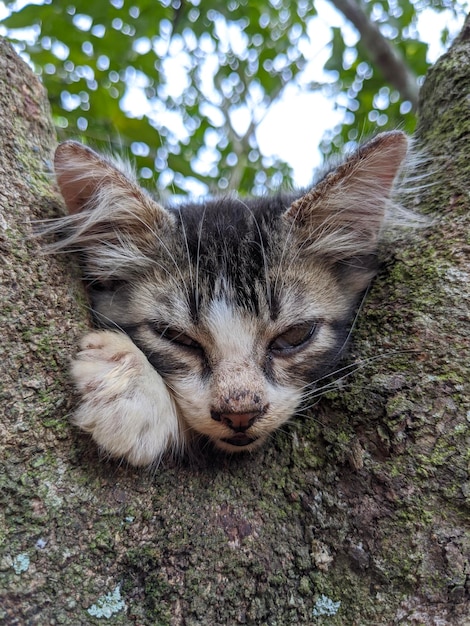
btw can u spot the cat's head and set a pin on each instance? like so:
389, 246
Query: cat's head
240, 305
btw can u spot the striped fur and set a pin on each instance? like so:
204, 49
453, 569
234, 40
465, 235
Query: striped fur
216, 317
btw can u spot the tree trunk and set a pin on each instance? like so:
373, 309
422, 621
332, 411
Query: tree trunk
354, 515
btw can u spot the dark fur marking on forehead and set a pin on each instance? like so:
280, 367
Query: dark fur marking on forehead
232, 239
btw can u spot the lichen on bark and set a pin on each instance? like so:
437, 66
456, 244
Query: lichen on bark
356, 514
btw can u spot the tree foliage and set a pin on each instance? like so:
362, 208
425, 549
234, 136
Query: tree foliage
203, 75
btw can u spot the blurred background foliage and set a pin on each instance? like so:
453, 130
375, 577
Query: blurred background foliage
181, 86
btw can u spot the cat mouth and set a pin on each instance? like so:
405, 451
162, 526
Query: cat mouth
240, 440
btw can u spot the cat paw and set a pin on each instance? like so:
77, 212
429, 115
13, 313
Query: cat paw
126, 406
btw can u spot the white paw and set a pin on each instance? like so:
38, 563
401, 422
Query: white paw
126, 405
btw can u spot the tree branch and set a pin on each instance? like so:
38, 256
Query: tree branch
385, 57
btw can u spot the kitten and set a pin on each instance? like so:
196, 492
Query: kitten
217, 316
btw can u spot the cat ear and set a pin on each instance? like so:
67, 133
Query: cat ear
87, 180
342, 216
112, 220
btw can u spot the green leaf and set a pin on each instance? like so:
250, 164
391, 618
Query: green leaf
337, 51
268, 31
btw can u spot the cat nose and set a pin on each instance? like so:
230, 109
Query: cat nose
238, 422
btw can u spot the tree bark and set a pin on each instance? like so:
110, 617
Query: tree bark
357, 514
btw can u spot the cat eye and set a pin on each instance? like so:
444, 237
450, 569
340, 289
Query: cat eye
177, 336
294, 338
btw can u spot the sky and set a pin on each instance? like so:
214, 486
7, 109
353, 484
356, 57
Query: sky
295, 124
283, 134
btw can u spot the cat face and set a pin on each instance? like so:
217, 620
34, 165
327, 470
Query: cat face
240, 305
237, 343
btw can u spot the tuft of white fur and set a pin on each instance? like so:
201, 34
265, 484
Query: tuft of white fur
126, 406
111, 218
413, 177
359, 202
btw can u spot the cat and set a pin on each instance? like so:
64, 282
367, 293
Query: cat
216, 317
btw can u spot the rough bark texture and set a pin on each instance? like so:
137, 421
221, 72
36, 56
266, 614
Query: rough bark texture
356, 515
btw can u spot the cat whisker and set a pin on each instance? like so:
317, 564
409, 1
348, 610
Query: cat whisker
198, 258
289, 278
263, 254
288, 241
98, 315
125, 241
188, 255
308, 416
176, 394
318, 392
357, 365
354, 322
173, 259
